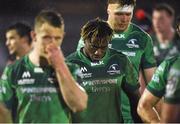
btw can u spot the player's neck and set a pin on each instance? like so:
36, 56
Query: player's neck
23, 51
166, 36
34, 57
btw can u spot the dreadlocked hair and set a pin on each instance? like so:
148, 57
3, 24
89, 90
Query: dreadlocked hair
96, 28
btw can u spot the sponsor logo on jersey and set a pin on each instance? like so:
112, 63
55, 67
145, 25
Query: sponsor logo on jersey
113, 69
84, 73
97, 63
99, 82
83, 69
85, 83
132, 43
38, 90
119, 36
40, 98
26, 74
129, 53
97, 86
110, 45
155, 78
38, 70
26, 79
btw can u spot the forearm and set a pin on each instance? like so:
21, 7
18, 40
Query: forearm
5, 114
74, 95
148, 114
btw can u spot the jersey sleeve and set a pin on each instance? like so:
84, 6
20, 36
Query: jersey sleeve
148, 59
6, 90
80, 44
172, 94
158, 83
131, 81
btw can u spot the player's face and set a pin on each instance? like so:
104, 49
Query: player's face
119, 21
47, 34
96, 48
13, 42
161, 21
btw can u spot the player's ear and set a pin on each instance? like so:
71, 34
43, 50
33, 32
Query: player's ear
33, 36
108, 11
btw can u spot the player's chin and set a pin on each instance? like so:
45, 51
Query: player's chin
12, 52
97, 58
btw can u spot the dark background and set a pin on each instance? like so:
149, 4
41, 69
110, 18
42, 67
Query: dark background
75, 13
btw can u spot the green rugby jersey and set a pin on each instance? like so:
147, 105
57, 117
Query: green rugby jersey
162, 52
172, 93
159, 81
103, 82
38, 95
137, 45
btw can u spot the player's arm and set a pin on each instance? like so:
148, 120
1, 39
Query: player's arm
5, 114
152, 94
133, 96
148, 73
145, 107
5, 96
170, 113
73, 94
148, 62
130, 86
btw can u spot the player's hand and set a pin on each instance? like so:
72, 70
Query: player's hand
54, 55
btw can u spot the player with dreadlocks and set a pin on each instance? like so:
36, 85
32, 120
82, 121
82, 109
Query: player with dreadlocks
105, 72
133, 42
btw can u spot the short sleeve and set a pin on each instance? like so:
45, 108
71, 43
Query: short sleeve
148, 59
6, 91
172, 94
158, 83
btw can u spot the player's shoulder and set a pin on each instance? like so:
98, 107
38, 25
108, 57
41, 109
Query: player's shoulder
18, 63
116, 53
175, 62
173, 59
167, 64
72, 56
136, 29
73, 67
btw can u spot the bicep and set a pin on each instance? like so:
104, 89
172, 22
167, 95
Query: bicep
148, 73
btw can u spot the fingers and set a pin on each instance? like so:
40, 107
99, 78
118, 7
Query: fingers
51, 48
54, 54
